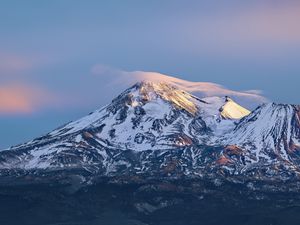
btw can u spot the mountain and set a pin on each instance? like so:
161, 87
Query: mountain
156, 130
147, 116
271, 132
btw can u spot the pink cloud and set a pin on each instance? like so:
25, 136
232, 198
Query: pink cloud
120, 80
203, 89
16, 99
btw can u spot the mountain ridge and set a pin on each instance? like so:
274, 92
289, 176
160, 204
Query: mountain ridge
156, 128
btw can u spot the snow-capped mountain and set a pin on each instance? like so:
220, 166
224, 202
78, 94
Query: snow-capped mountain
147, 116
157, 129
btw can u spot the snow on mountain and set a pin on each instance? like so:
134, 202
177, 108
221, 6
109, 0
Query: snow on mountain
155, 127
232, 110
141, 116
147, 116
270, 132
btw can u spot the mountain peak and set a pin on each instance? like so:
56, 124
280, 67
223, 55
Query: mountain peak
232, 110
228, 108
270, 126
147, 91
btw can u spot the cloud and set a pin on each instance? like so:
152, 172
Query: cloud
20, 99
255, 92
120, 80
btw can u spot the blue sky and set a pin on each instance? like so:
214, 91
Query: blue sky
49, 49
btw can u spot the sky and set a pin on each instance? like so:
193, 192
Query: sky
61, 59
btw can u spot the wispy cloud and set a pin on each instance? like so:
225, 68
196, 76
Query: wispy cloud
20, 99
118, 79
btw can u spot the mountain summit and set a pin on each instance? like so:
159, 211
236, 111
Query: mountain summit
232, 110
157, 129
